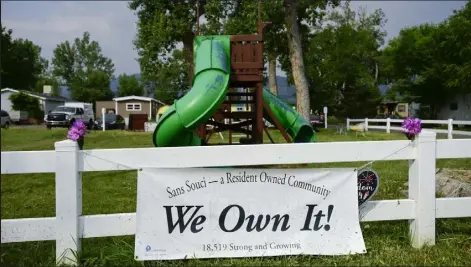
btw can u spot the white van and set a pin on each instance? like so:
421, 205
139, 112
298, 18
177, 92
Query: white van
87, 108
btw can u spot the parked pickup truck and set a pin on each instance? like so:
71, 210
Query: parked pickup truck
67, 114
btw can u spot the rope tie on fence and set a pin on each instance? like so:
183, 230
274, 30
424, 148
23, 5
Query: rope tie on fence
109, 161
139, 168
370, 163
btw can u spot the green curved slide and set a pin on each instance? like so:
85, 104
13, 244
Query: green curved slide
294, 124
177, 125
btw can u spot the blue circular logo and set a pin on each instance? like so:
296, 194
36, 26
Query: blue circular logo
147, 248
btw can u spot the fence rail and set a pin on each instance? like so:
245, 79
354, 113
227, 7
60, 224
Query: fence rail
389, 128
68, 162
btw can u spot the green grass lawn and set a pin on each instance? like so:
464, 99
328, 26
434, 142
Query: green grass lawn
32, 195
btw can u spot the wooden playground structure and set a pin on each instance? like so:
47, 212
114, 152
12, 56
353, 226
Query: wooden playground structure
247, 66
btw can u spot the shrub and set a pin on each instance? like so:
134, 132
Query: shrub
24, 102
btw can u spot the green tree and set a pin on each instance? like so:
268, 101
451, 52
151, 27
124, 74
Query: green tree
171, 79
22, 64
161, 26
24, 102
83, 68
94, 86
432, 62
342, 60
129, 85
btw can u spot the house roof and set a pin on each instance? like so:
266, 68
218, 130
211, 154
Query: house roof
37, 95
133, 97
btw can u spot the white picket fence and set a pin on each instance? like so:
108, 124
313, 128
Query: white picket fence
388, 127
68, 162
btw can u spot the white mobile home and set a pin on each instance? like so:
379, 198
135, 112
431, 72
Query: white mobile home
459, 108
46, 103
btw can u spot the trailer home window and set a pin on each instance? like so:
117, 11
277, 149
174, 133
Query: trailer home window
401, 108
133, 107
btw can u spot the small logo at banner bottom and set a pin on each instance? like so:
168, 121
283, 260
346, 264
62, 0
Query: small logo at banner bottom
148, 248
368, 183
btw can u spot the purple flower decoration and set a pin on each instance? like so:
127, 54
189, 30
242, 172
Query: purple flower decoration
77, 131
411, 127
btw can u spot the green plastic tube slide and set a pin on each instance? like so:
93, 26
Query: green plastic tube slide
294, 124
177, 125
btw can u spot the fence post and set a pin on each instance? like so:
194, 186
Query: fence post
366, 124
422, 190
450, 128
388, 125
103, 111
348, 124
68, 202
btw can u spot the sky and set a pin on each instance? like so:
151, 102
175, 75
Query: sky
113, 24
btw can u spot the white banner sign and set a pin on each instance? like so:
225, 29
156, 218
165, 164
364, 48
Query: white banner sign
225, 212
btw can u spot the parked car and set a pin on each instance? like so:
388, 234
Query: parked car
112, 121
6, 121
316, 120
66, 115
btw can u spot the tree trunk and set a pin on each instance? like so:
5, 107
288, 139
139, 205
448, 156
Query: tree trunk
272, 74
376, 73
188, 51
296, 58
